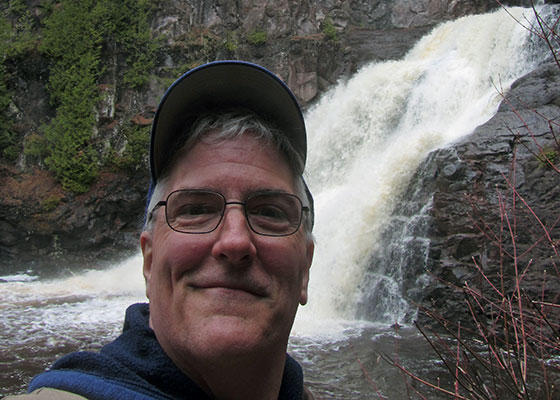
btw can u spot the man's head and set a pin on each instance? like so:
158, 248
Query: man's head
227, 125
227, 246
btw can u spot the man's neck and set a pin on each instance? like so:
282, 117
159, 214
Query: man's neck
258, 378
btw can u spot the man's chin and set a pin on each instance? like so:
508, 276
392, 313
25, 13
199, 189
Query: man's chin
236, 334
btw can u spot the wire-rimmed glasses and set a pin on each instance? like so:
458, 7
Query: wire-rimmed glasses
267, 213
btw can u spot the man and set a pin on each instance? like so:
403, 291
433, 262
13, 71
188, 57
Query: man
227, 248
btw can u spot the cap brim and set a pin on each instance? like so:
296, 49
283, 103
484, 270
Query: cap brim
220, 85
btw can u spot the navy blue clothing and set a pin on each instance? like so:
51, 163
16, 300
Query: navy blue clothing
135, 366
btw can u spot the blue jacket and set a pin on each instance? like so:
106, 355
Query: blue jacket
134, 366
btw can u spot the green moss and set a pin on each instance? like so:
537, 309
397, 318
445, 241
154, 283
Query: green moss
547, 156
257, 38
50, 204
329, 30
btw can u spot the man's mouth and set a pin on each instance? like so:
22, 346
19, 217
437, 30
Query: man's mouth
230, 287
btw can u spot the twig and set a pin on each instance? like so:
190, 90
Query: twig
390, 361
365, 372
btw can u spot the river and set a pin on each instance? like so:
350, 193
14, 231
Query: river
367, 136
43, 319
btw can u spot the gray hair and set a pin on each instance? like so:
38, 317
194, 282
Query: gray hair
230, 125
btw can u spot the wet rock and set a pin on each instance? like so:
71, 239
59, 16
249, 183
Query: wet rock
465, 217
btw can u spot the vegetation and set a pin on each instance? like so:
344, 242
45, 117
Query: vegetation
257, 38
74, 37
137, 141
131, 30
547, 157
329, 30
231, 42
8, 143
35, 146
50, 204
16, 38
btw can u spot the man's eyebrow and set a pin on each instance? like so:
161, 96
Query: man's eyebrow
268, 190
245, 193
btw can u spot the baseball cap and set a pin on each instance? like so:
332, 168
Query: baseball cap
219, 85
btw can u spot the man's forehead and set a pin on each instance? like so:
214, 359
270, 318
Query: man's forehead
211, 144
258, 163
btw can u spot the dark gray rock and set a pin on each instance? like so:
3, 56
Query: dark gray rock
472, 180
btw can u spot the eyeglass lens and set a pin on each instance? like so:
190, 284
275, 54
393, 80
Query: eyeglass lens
193, 211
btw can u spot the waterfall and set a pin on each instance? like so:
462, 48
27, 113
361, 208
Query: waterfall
368, 135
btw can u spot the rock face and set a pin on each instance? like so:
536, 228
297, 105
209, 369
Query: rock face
40, 223
473, 200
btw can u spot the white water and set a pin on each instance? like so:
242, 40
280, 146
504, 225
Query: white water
58, 309
366, 138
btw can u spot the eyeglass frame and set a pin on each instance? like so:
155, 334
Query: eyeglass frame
163, 203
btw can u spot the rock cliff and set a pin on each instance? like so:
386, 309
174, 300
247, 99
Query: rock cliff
474, 206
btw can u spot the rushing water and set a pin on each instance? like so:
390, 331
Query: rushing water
367, 137
42, 320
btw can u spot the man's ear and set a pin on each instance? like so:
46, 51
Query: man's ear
305, 273
146, 246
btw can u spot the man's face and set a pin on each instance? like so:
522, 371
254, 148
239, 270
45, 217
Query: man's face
230, 292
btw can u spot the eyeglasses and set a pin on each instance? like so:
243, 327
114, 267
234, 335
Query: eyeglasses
201, 211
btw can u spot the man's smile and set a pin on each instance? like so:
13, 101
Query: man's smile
229, 287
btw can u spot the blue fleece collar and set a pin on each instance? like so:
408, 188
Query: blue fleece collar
135, 366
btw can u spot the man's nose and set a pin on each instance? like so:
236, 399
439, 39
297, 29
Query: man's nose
235, 237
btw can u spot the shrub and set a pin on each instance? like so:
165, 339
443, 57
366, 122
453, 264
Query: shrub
547, 157
16, 38
72, 157
231, 42
7, 141
137, 142
35, 145
8, 145
131, 30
